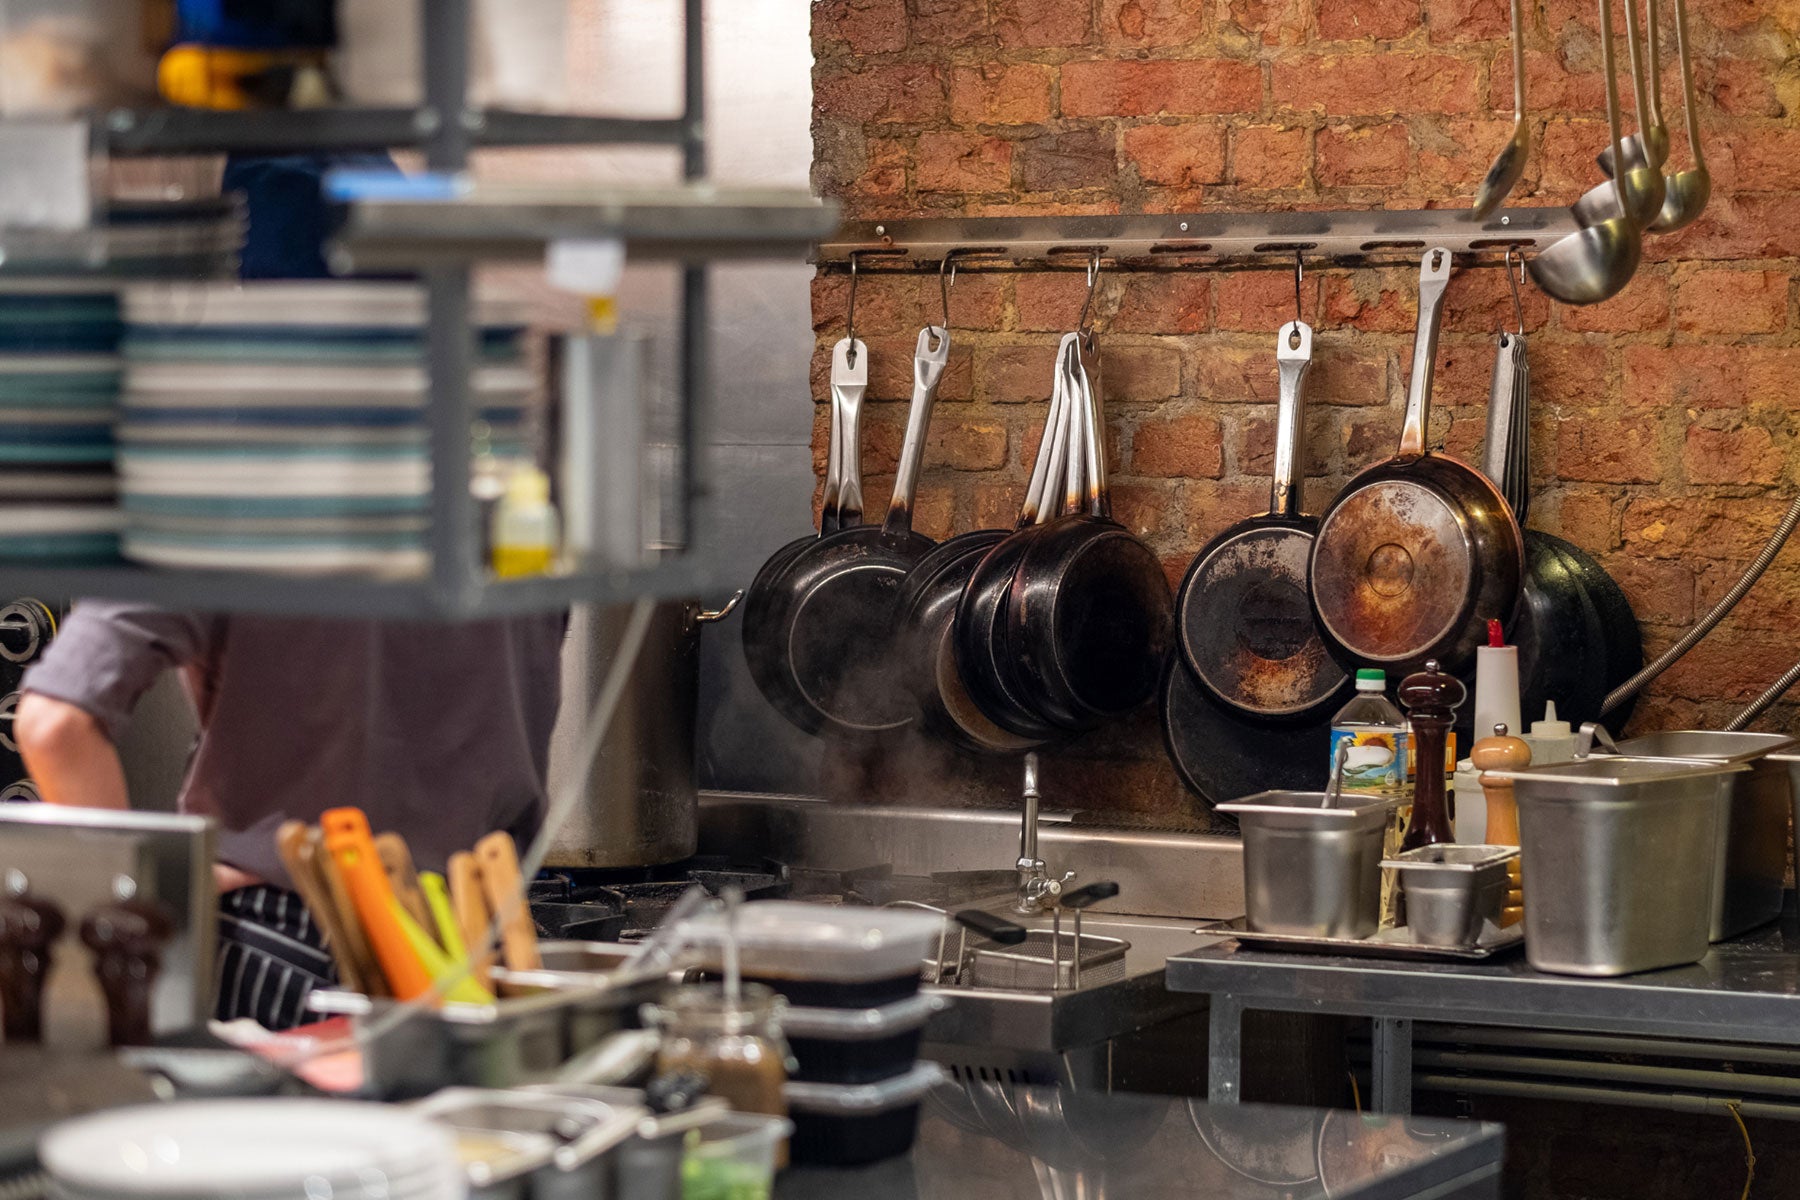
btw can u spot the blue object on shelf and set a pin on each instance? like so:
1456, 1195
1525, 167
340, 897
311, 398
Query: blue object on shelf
257, 24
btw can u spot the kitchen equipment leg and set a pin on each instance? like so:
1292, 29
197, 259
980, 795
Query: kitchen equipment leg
1391, 1061
1224, 1050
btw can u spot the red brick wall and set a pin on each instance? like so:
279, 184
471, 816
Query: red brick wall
1664, 421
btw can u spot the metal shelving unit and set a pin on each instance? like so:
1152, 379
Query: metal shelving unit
691, 224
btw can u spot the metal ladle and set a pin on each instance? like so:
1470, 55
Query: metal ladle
1650, 144
1509, 164
1643, 181
1598, 260
1687, 191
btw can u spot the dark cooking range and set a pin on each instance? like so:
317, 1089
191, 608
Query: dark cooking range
621, 904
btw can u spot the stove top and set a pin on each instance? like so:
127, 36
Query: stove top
622, 904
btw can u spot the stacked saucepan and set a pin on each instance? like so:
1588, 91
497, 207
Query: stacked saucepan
997, 639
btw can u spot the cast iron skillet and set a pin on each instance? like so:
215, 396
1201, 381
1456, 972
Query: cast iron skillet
984, 660
833, 609
1089, 618
1245, 625
1417, 553
841, 508
1223, 755
925, 651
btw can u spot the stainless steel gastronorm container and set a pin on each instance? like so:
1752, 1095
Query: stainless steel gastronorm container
1753, 820
1620, 855
1791, 764
1451, 890
1309, 869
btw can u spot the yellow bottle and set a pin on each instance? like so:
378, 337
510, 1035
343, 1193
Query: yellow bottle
526, 528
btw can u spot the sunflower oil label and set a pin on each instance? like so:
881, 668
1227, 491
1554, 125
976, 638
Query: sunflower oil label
1375, 758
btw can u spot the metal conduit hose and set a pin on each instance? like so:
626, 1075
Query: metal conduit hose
1681, 1102
1705, 625
1762, 702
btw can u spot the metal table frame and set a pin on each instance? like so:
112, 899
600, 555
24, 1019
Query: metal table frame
1744, 991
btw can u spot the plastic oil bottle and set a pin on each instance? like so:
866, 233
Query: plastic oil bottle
526, 529
1375, 764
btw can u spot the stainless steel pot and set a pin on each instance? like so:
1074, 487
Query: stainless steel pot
642, 806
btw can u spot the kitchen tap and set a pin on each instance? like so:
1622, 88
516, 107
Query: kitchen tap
1037, 891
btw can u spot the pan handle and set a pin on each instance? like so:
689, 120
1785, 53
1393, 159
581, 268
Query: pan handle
849, 380
994, 928
1087, 366
1054, 449
928, 371
1293, 358
1496, 452
1434, 275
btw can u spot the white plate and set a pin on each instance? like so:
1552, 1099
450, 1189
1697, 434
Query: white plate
26, 520
196, 384
158, 552
260, 1145
59, 364
270, 477
295, 303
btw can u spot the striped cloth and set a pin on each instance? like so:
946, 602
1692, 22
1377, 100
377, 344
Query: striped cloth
270, 956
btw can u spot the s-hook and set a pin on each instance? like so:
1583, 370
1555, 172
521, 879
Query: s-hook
1299, 305
1093, 282
946, 280
1515, 276
850, 315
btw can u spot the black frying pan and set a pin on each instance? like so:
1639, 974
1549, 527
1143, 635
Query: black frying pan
1243, 616
1418, 552
841, 508
1089, 617
832, 613
984, 659
1223, 755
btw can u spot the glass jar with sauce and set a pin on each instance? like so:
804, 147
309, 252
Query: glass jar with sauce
738, 1047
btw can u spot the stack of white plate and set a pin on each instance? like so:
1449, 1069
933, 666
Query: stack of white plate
59, 395
258, 1149
281, 426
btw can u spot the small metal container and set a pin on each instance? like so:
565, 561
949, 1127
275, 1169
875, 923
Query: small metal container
1309, 869
1753, 820
497, 1045
603, 1000
1619, 857
1038, 964
540, 1145
646, 1166
1451, 890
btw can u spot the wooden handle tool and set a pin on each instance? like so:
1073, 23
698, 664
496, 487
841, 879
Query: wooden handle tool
469, 902
500, 880
337, 895
352, 847
298, 854
1503, 753
403, 877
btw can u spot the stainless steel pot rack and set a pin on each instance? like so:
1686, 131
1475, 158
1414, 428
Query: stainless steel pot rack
1191, 241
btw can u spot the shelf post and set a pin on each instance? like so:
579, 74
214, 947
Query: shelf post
696, 351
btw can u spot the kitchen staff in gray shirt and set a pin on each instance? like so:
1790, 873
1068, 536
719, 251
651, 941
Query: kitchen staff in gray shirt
438, 732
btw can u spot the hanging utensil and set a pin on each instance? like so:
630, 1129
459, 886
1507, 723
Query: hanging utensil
834, 614
1089, 616
1595, 262
1509, 164
1644, 197
763, 652
1417, 553
1650, 145
1243, 618
925, 648
1686, 192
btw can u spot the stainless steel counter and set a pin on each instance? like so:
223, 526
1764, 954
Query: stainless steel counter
1004, 1142
1744, 991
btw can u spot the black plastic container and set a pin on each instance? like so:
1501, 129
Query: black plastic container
858, 1045
824, 993
847, 1125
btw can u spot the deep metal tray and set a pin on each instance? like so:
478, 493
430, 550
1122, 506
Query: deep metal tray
1387, 943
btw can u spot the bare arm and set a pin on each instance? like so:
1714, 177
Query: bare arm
68, 754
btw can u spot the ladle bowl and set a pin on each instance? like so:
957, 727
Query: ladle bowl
1644, 191
1686, 196
1504, 174
1590, 265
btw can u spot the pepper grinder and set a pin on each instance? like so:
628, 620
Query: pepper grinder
1503, 753
29, 927
127, 937
1431, 697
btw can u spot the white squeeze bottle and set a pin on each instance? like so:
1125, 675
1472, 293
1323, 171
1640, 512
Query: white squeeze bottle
1376, 733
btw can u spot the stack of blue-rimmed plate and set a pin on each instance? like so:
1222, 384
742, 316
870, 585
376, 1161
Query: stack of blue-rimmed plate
59, 395
281, 426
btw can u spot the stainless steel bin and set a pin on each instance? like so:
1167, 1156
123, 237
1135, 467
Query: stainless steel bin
1309, 869
1753, 820
1619, 860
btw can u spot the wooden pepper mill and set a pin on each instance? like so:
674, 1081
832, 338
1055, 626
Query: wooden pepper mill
29, 927
1430, 697
127, 937
1503, 753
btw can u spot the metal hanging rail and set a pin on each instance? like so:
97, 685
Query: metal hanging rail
1185, 241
